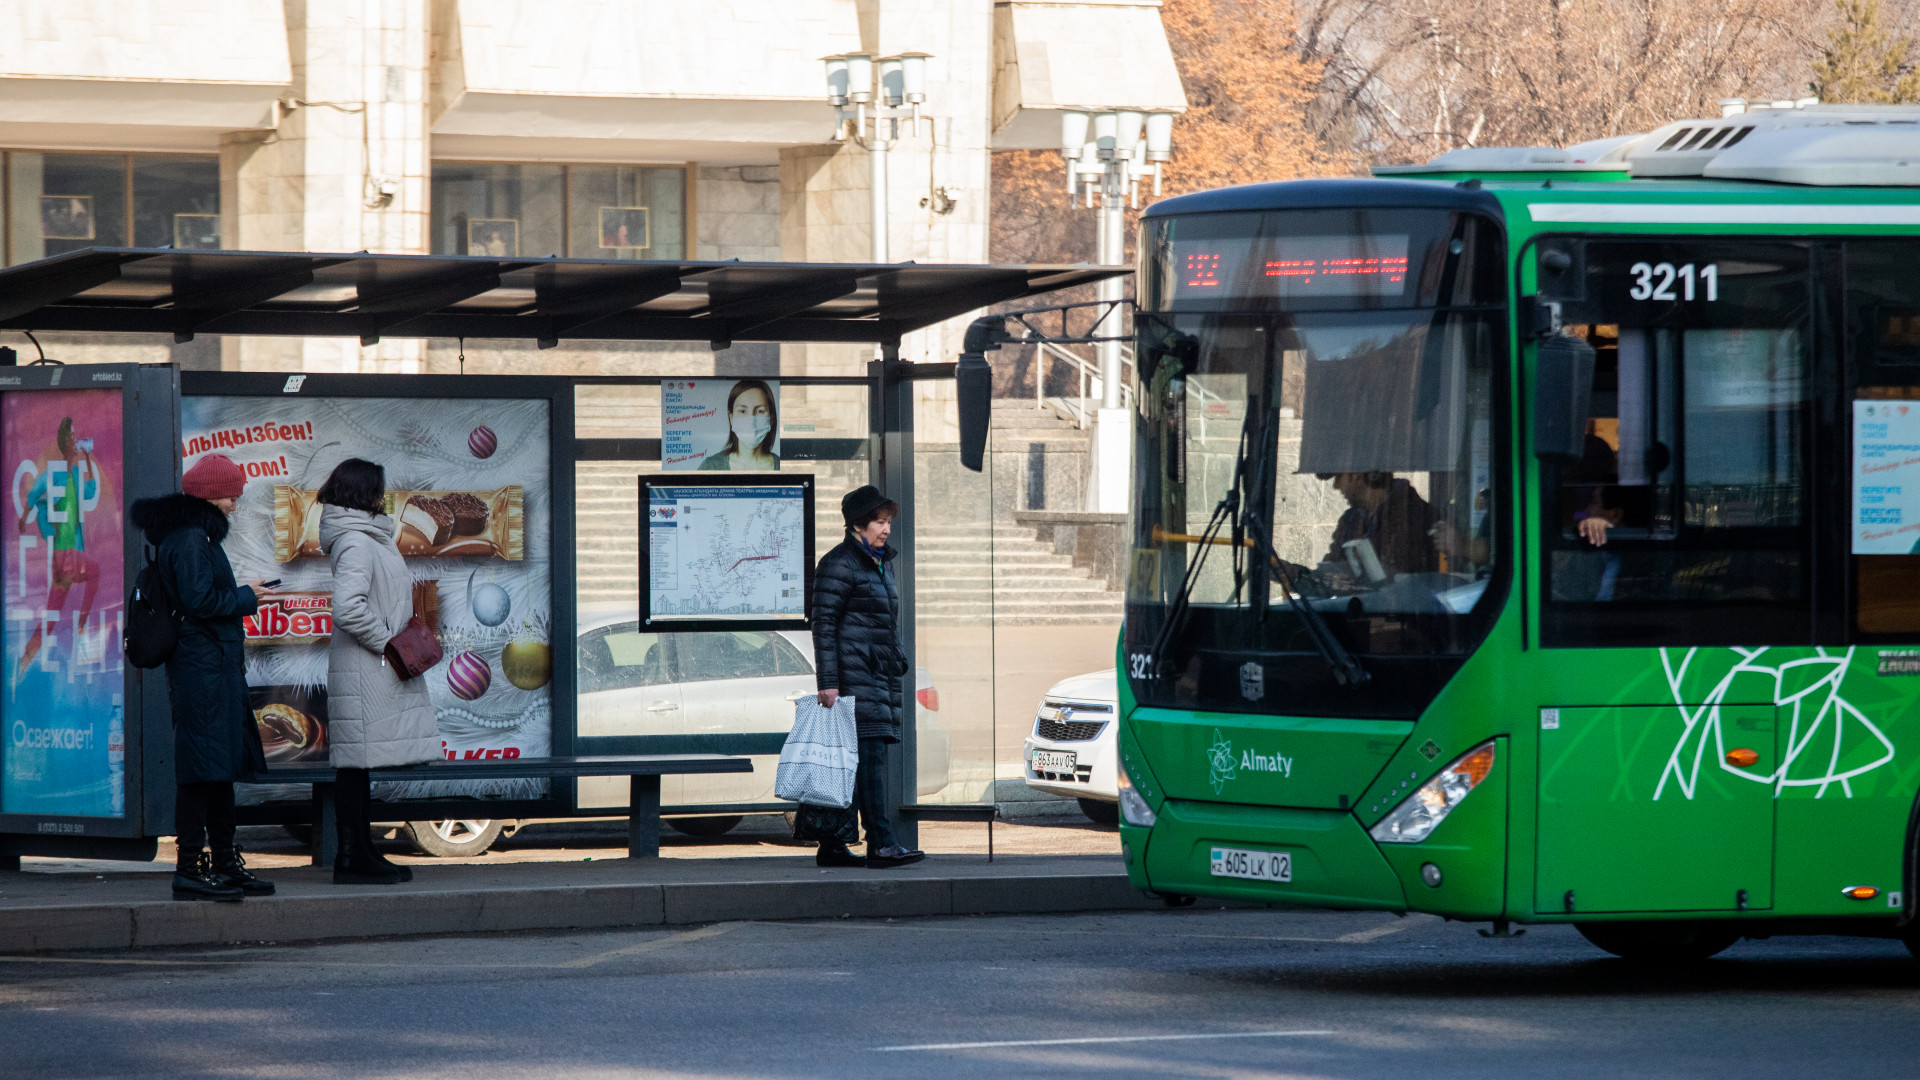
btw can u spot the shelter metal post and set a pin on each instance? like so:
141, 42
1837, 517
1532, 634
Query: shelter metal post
892, 407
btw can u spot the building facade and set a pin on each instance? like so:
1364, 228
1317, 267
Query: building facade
626, 129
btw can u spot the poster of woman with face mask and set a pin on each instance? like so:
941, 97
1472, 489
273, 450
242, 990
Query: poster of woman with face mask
720, 424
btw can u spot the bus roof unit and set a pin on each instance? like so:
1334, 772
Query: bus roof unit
1797, 143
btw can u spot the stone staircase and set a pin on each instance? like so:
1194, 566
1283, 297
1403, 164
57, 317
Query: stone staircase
967, 573
606, 515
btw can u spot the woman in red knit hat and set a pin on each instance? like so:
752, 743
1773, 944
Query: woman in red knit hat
215, 740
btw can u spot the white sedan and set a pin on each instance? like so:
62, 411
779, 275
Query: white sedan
634, 682
1074, 744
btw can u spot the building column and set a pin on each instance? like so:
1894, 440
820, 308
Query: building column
345, 170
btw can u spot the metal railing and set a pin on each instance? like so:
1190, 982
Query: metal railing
1089, 373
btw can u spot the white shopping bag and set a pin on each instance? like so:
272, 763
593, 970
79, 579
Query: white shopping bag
821, 754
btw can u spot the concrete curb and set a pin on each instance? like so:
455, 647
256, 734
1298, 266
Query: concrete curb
310, 918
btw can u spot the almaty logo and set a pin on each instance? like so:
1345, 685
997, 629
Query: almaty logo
1223, 766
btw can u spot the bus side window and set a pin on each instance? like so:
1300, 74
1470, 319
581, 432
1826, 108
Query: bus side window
1689, 503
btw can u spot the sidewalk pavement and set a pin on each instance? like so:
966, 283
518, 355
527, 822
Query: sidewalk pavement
58, 905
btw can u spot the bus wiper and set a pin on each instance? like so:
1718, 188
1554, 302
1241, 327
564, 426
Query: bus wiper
1234, 510
1347, 671
1346, 668
1177, 611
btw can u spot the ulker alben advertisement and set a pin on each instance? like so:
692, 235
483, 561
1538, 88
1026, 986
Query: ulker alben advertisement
468, 485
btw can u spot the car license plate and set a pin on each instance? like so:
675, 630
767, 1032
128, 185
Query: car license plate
1258, 865
1053, 761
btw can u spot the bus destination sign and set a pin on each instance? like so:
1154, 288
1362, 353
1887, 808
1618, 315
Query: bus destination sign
1291, 267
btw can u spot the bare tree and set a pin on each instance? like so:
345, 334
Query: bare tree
1408, 79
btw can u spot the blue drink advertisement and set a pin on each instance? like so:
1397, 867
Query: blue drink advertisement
63, 712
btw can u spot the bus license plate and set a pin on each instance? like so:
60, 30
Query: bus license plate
1258, 865
1054, 761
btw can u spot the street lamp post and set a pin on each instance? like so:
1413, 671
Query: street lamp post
869, 111
1109, 156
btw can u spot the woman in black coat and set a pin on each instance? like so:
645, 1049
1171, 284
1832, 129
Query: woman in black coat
856, 653
215, 740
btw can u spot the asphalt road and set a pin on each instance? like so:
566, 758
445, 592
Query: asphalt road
1193, 993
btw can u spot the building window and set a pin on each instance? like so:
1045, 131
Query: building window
582, 211
57, 203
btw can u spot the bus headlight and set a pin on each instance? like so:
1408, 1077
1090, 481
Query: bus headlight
1133, 806
1431, 802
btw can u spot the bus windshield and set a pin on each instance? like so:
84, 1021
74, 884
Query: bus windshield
1353, 422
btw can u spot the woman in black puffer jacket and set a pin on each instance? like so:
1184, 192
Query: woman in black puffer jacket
856, 653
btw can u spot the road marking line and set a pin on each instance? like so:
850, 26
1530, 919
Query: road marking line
648, 946
1361, 937
1105, 1039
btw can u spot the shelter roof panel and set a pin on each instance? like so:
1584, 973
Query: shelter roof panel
148, 290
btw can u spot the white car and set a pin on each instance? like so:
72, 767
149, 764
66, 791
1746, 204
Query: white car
1075, 743
734, 682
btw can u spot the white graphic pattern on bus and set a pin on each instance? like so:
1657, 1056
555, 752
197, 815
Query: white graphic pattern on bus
1823, 728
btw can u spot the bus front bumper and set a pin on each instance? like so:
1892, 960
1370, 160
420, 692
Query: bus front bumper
1333, 862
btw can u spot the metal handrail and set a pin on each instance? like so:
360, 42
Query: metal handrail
1088, 371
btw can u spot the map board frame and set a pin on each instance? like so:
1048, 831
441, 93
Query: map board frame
682, 625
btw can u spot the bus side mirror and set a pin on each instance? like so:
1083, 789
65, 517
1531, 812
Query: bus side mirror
1562, 394
973, 384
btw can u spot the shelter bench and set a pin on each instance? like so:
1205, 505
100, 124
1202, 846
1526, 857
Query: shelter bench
643, 770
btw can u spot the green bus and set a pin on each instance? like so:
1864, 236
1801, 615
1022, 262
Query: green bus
1525, 537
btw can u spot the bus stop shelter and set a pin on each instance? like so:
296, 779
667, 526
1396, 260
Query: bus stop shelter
85, 767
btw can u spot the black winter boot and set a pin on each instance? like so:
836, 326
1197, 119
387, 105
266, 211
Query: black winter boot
231, 869
406, 873
835, 853
194, 879
356, 865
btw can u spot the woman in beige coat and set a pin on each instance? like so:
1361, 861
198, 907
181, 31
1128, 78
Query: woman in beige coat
375, 719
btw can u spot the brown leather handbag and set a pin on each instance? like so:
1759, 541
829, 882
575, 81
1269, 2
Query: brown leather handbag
414, 650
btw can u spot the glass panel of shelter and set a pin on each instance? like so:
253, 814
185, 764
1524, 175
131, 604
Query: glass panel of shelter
824, 431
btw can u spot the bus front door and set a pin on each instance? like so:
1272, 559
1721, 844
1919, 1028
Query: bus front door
1655, 809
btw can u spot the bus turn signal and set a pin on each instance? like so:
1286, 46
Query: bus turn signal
1742, 757
1860, 892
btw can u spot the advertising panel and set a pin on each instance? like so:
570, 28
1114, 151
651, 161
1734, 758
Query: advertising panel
64, 711
726, 425
468, 488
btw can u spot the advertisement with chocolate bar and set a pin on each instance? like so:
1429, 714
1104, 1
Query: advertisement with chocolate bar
468, 490
64, 744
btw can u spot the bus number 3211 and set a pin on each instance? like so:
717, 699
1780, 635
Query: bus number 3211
1655, 281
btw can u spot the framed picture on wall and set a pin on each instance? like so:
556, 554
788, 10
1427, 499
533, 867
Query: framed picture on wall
499, 237
196, 232
624, 227
66, 217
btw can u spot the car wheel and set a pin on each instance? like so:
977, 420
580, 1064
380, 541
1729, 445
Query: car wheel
707, 827
1678, 942
1099, 812
452, 838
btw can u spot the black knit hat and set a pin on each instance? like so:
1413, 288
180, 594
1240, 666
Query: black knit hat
862, 504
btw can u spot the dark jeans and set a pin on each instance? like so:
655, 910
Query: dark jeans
202, 812
870, 793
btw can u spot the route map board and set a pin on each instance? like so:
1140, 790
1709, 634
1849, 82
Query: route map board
726, 553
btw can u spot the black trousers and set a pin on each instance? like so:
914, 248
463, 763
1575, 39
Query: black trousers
202, 812
352, 803
870, 794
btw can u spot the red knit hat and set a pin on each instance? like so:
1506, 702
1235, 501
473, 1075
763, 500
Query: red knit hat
214, 477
